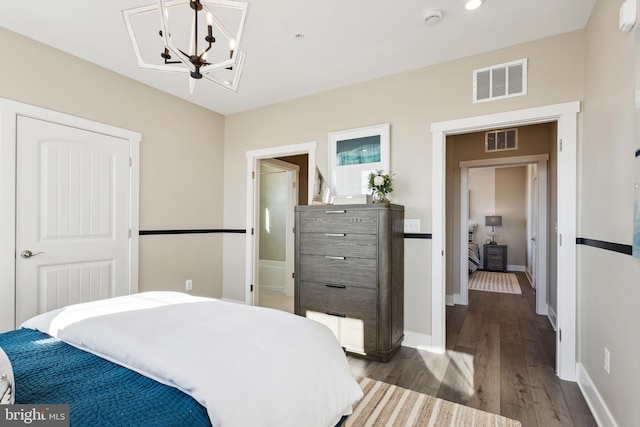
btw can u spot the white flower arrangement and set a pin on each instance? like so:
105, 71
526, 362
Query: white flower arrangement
380, 186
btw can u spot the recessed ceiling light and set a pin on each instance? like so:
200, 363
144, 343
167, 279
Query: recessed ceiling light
473, 4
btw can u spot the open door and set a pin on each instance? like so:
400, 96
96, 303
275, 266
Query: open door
278, 197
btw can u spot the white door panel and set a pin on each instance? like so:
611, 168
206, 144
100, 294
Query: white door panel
72, 210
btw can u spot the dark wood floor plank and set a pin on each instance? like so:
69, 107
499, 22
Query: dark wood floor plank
470, 332
527, 330
580, 412
549, 404
514, 377
486, 364
457, 385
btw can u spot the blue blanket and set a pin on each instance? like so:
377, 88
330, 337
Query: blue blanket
98, 392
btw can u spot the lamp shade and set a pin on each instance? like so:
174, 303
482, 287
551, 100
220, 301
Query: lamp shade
493, 220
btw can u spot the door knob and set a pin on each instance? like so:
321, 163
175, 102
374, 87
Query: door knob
29, 254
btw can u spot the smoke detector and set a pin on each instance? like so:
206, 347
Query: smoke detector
432, 16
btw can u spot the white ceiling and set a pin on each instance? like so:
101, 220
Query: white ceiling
345, 41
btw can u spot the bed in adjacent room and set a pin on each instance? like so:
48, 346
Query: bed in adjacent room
474, 250
165, 358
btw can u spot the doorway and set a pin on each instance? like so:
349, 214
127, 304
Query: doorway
567, 120
301, 154
278, 197
541, 214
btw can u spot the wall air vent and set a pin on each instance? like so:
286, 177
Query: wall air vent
500, 81
501, 140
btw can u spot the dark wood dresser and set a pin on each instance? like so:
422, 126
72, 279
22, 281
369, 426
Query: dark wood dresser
349, 274
495, 257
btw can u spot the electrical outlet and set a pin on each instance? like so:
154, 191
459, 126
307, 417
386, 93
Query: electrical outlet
411, 225
607, 358
188, 285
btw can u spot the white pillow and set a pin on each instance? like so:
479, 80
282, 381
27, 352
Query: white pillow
7, 389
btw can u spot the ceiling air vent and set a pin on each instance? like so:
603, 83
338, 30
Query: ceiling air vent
501, 140
500, 81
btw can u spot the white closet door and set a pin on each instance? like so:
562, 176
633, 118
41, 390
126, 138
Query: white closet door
72, 214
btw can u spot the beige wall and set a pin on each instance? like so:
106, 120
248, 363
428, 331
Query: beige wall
181, 155
609, 282
410, 102
511, 203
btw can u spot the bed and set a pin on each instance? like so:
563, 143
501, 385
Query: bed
474, 250
166, 358
474, 257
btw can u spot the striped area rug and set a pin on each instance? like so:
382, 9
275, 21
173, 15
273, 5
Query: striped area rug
388, 405
506, 283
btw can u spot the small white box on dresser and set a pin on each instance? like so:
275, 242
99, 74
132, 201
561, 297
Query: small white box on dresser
353, 199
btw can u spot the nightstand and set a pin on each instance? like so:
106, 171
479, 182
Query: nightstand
495, 257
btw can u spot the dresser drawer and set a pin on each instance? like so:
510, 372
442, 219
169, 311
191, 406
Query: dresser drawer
341, 270
495, 257
339, 244
340, 300
356, 335
338, 219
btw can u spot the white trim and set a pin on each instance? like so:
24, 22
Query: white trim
417, 341
541, 160
438, 241
251, 255
457, 299
451, 299
553, 317
9, 110
594, 400
527, 272
237, 301
566, 116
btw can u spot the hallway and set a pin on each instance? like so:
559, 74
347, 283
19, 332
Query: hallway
500, 358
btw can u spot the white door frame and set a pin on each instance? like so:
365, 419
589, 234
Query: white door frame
541, 160
253, 203
9, 110
566, 115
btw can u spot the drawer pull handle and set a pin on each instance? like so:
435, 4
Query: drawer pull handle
336, 212
336, 286
335, 234
332, 313
334, 257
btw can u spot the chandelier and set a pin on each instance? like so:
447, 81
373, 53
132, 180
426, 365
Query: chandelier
201, 38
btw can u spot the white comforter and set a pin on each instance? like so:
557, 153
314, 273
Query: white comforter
249, 366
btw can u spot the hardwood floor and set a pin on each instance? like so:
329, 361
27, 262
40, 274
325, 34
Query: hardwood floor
500, 358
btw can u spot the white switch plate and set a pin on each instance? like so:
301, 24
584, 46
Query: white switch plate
188, 285
411, 225
607, 359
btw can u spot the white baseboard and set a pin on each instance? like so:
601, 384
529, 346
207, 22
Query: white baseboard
449, 299
516, 268
553, 317
418, 341
233, 300
598, 407
458, 300
529, 277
